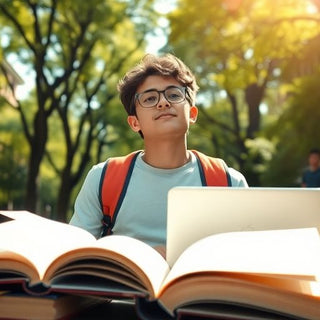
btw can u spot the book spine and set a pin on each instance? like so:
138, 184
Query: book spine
151, 310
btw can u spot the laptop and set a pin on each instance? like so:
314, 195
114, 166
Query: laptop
196, 212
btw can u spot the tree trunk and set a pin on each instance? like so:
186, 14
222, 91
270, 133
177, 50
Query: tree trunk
68, 182
64, 196
37, 147
254, 95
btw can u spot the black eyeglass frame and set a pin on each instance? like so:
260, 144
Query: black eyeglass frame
184, 91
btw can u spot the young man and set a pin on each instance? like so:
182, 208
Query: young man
311, 176
158, 95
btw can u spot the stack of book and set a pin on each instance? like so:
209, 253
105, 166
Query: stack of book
60, 269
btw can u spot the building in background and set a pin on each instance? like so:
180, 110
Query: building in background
9, 80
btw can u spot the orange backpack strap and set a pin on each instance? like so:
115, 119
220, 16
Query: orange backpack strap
113, 187
213, 171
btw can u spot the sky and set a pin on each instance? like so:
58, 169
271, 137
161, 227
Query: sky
158, 40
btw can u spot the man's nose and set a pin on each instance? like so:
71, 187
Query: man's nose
163, 102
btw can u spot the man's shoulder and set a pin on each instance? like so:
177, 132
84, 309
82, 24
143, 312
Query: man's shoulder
237, 178
96, 171
98, 166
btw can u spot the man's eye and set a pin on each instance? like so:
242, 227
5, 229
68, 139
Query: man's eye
149, 98
175, 95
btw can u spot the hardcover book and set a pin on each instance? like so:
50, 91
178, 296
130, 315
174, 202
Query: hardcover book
275, 271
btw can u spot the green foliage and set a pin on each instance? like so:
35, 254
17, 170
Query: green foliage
78, 51
297, 131
245, 53
259, 154
243, 49
13, 159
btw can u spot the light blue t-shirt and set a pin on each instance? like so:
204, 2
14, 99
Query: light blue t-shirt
143, 213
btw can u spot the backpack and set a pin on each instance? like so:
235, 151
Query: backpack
117, 172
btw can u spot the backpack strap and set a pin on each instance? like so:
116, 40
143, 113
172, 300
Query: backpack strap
213, 171
118, 171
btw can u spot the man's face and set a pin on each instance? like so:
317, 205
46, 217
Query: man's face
314, 160
165, 118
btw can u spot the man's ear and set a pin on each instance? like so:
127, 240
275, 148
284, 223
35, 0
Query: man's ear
193, 114
134, 123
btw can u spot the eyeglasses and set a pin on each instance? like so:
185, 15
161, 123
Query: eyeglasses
151, 98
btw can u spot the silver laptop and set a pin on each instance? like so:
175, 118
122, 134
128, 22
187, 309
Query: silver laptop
196, 212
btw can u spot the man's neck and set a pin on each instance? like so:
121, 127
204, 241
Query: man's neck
166, 155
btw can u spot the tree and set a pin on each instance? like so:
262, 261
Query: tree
296, 132
76, 50
13, 159
240, 48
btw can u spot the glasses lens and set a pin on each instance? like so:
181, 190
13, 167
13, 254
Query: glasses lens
149, 99
174, 94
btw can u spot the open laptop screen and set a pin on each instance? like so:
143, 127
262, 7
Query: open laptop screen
197, 212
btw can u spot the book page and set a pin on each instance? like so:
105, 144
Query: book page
147, 259
38, 239
49, 244
294, 252
119, 258
297, 298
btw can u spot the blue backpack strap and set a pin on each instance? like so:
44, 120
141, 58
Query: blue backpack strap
213, 171
114, 182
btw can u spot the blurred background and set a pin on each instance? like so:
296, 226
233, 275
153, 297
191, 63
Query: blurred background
257, 63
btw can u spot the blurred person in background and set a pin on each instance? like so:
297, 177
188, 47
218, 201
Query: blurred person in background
311, 175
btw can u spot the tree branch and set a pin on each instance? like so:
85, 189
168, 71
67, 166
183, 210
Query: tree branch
18, 26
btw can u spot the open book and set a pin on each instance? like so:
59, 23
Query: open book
276, 271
